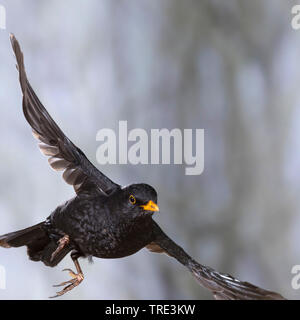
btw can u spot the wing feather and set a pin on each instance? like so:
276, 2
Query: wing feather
223, 286
64, 155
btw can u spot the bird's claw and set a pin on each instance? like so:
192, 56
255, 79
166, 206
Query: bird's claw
77, 278
62, 243
71, 273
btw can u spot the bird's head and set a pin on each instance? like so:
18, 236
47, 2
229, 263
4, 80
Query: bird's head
136, 200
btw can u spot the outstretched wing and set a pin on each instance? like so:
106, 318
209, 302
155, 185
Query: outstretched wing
64, 155
223, 286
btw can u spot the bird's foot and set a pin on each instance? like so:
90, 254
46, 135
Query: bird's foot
62, 242
77, 278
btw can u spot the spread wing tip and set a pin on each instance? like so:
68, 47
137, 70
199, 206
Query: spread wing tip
20, 60
64, 155
12, 37
223, 286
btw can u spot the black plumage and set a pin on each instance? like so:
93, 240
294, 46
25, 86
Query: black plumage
103, 220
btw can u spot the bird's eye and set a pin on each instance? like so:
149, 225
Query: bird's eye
132, 199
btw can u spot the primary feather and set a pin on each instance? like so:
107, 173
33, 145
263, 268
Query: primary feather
64, 155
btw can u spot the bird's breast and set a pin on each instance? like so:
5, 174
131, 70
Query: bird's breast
117, 241
95, 231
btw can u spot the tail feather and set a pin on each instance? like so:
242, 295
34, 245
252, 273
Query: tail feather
3, 242
39, 246
23, 237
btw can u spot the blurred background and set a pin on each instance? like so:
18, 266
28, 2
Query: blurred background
229, 67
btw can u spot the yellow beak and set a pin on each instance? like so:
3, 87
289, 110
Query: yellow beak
150, 206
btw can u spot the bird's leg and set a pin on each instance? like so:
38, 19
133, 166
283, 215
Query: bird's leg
76, 277
62, 242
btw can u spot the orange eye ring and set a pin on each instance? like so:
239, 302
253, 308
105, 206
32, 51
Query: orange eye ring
132, 199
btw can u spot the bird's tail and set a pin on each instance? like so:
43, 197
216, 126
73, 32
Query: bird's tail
223, 286
23, 237
39, 245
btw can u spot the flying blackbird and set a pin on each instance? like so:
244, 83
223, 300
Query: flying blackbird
104, 219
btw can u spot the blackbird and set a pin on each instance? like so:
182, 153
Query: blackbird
104, 219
